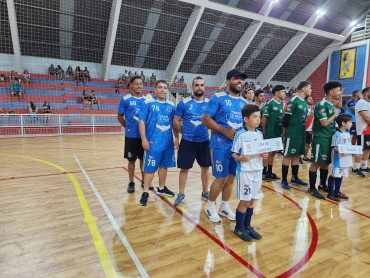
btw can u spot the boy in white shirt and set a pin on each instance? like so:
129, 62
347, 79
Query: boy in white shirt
249, 172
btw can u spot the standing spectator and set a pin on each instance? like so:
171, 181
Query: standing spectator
79, 75
87, 74
94, 100
129, 76
85, 99
69, 72
248, 95
309, 122
142, 76
26, 78
175, 80
12, 76
119, 84
153, 79
155, 126
124, 76
16, 89
60, 72
258, 86
350, 110
46, 110
52, 71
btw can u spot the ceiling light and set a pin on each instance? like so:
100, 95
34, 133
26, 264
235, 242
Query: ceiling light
274, 1
353, 23
320, 12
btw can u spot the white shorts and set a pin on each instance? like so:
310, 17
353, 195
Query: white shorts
248, 185
340, 172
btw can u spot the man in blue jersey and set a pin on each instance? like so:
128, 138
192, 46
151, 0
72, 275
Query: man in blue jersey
195, 138
155, 126
350, 110
223, 116
128, 116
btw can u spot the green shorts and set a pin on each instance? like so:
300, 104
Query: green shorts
321, 151
294, 147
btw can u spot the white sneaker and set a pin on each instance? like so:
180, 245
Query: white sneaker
212, 214
225, 211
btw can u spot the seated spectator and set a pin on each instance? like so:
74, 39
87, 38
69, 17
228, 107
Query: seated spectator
12, 76
3, 77
69, 73
182, 80
16, 89
85, 100
119, 84
47, 111
52, 71
153, 79
124, 76
94, 100
258, 86
129, 76
87, 74
1, 110
117, 91
32, 108
175, 80
136, 74
142, 76
79, 75
60, 72
26, 77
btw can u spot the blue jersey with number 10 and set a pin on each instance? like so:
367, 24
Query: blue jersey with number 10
130, 107
226, 111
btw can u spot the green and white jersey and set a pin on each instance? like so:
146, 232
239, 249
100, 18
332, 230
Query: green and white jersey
323, 110
274, 112
296, 107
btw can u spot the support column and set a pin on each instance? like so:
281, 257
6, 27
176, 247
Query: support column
66, 23
15, 36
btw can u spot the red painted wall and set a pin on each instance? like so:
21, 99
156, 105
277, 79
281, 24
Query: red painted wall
318, 79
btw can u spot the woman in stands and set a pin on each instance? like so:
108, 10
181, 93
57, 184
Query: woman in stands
85, 99
79, 75
32, 110
94, 100
46, 109
129, 76
60, 72
69, 73
26, 77
12, 76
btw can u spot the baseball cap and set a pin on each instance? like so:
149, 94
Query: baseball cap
235, 72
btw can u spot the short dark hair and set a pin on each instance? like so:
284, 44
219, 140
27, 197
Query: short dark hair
258, 92
365, 90
306, 98
343, 118
249, 109
330, 85
132, 79
160, 81
277, 88
355, 92
197, 78
302, 84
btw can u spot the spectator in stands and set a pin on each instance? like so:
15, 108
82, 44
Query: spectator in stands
16, 89
60, 72
87, 74
46, 110
12, 76
1, 110
136, 74
129, 76
117, 91
124, 76
3, 77
142, 76
153, 79
85, 100
32, 108
120, 84
258, 86
52, 71
94, 100
182, 80
69, 73
79, 75
26, 77
175, 80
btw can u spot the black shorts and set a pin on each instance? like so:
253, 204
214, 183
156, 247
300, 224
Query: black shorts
133, 149
352, 130
308, 137
363, 141
189, 151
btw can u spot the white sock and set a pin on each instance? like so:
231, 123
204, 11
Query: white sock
364, 164
356, 166
224, 204
210, 203
161, 188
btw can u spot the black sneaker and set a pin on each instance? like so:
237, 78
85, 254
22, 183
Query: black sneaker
358, 173
150, 187
365, 171
336, 199
300, 160
273, 176
144, 199
265, 177
323, 187
131, 187
253, 233
242, 233
306, 159
165, 191
315, 193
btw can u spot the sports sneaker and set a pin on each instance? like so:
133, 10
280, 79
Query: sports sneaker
336, 199
242, 233
131, 187
297, 181
285, 185
150, 187
300, 160
165, 191
225, 211
273, 176
144, 199
342, 196
306, 159
253, 233
323, 187
358, 173
266, 177
205, 195
212, 214
179, 199
315, 193
365, 171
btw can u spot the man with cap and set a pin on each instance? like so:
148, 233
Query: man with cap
224, 118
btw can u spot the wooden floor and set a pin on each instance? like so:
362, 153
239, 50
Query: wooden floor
58, 222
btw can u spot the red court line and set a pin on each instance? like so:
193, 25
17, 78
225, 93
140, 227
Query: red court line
313, 244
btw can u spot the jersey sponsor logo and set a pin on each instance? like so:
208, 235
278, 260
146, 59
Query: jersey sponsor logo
204, 107
303, 117
279, 118
330, 111
324, 157
275, 108
151, 157
281, 111
169, 109
163, 128
241, 105
293, 151
196, 123
300, 106
219, 139
234, 126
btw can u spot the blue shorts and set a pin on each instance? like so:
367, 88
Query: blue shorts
189, 151
155, 159
352, 130
223, 164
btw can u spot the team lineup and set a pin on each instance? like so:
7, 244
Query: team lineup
152, 127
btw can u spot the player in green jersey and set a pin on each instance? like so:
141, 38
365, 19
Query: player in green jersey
272, 127
323, 129
294, 127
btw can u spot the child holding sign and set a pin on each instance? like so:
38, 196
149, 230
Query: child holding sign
248, 173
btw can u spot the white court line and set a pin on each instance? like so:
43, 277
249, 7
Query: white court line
124, 240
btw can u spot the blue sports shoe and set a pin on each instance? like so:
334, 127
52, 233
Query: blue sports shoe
179, 199
242, 233
252, 232
297, 181
285, 185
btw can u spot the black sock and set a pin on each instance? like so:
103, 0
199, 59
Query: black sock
284, 172
312, 176
295, 172
269, 169
323, 176
264, 170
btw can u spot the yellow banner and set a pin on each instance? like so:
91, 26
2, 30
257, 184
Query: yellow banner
347, 63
